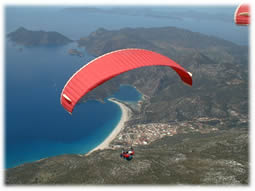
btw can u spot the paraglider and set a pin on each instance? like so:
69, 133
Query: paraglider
242, 15
110, 65
128, 155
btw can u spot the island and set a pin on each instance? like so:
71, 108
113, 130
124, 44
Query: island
75, 52
25, 37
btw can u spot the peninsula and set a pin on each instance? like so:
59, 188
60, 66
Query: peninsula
126, 112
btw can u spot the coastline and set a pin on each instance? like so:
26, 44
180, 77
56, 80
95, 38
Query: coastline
124, 117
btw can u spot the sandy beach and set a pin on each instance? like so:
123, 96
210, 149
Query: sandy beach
124, 117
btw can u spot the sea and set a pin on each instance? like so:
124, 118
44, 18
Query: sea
36, 125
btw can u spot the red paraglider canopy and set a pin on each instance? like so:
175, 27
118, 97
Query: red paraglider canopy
242, 15
110, 65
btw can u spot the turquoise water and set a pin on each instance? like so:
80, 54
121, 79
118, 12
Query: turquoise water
127, 93
37, 126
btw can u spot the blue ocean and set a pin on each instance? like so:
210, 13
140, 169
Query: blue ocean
36, 125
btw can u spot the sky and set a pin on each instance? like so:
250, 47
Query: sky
126, 2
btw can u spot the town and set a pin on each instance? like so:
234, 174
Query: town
143, 134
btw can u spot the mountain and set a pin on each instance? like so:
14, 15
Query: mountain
27, 37
219, 68
210, 119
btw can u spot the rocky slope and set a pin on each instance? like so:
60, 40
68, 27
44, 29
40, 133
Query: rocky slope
193, 158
